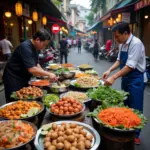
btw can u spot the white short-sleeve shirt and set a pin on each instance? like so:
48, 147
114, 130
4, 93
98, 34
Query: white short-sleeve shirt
136, 53
5, 45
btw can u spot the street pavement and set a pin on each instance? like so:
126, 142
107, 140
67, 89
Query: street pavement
100, 66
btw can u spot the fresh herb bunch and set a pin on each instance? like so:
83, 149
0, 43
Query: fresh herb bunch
107, 95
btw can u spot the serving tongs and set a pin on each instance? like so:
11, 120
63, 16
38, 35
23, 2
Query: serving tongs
58, 83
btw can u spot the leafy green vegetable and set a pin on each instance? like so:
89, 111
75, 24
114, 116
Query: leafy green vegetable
50, 99
108, 96
13, 95
58, 72
77, 85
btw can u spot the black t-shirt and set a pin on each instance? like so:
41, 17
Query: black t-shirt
63, 45
79, 43
24, 57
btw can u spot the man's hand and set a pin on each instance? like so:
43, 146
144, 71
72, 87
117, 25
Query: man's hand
52, 77
110, 81
106, 74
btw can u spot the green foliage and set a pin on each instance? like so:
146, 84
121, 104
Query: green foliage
96, 5
107, 95
50, 99
90, 18
56, 2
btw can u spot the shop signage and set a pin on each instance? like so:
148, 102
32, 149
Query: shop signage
141, 4
126, 17
55, 28
73, 33
26, 10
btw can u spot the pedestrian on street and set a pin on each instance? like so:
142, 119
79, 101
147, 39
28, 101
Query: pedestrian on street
131, 59
108, 46
69, 43
96, 49
74, 43
79, 45
24, 63
6, 46
63, 50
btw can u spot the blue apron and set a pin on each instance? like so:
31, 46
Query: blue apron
133, 83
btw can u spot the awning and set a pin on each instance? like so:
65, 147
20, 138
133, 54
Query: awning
55, 20
124, 5
78, 30
44, 6
119, 7
95, 26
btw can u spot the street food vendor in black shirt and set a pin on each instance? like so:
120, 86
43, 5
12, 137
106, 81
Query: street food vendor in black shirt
23, 63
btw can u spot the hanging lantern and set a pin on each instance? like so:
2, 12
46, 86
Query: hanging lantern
44, 20
18, 9
35, 16
117, 19
11, 24
29, 21
8, 14
119, 15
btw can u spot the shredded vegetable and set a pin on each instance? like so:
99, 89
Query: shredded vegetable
119, 116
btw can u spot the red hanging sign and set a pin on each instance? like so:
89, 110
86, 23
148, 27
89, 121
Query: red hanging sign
55, 28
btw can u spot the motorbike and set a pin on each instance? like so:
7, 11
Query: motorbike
91, 47
102, 53
148, 69
113, 54
46, 57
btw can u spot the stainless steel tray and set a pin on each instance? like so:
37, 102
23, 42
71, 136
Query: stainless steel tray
27, 118
67, 116
20, 146
85, 101
58, 90
114, 129
30, 83
49, 68
38, 142
85, 69
82, 88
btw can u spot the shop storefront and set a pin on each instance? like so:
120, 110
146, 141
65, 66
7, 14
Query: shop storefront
19, 25
142, 10
121, 12
11, 27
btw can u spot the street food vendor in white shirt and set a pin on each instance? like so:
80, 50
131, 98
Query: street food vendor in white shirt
131, 60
